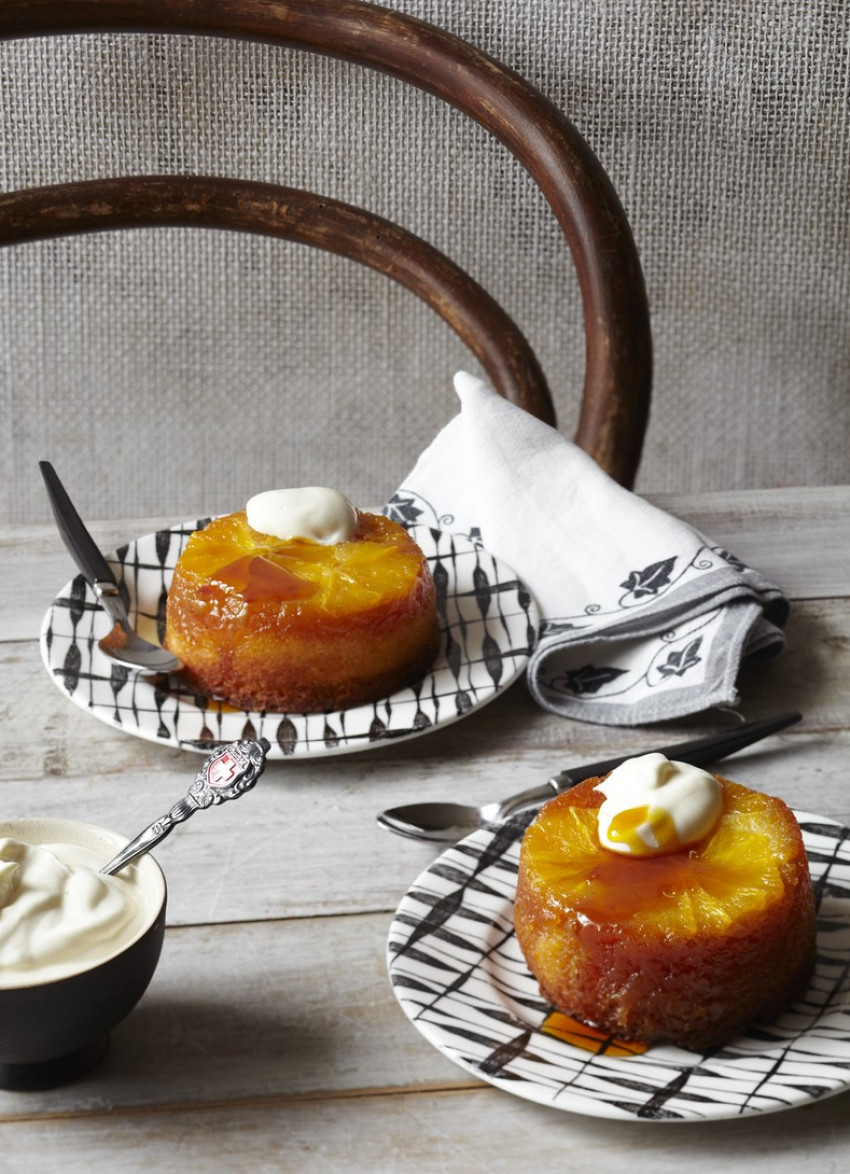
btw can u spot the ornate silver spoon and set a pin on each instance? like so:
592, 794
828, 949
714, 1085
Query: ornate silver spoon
227, 774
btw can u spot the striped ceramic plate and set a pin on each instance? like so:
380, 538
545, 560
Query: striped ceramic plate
460, 977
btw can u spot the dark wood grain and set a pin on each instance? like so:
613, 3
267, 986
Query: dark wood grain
616, 398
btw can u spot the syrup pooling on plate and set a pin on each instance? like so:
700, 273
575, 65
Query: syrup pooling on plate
588, 1038
58, 915
778, 1066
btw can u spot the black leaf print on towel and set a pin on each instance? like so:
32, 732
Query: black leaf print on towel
732, 559
403, 510
590, 678
555, 627
678, 662
651, 579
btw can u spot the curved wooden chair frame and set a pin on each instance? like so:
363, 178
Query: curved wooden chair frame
615, 403
291, 214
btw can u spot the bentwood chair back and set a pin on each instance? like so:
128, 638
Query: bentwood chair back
615, 402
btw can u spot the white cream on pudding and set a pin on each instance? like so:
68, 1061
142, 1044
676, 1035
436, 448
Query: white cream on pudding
313, 512
653, 806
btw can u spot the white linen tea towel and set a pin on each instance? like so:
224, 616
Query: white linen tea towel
643, 618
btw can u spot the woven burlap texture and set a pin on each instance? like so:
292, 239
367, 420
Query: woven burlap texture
174, 372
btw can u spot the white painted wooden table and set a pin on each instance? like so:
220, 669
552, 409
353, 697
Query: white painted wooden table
270, 1038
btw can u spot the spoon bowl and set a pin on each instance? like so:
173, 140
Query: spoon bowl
124, 644
446, 823
127, 648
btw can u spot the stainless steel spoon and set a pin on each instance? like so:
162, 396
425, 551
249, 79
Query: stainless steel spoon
227, 774
445, 823
123, 644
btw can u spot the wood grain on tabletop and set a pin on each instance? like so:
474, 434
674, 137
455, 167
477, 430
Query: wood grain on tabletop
482, 1131
315, 848
58, 754
799, 537
289, 1009
264, 1001
270, 1028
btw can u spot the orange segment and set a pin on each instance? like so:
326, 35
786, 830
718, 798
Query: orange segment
256, 577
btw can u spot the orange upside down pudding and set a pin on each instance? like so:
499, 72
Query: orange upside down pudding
302, 603
666, 905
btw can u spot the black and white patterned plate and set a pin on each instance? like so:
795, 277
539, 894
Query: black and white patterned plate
460, 977
488, 619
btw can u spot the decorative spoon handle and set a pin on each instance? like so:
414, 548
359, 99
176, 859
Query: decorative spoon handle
226, 774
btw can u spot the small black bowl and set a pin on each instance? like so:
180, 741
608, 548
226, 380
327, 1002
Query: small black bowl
52, 1032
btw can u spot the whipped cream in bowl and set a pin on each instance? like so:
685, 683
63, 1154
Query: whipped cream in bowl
57, 915
77, 949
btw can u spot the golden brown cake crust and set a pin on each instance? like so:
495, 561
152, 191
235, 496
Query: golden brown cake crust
300, 627
686, 948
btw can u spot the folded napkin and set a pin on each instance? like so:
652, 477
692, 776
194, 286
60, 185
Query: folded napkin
642, 618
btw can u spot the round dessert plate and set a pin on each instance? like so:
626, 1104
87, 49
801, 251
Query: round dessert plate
489, 624
460, 977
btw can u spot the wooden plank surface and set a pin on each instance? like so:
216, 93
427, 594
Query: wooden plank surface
315, 848
284, 1009
51, 738
270, 1036
305, 842
453, 1132
798, 537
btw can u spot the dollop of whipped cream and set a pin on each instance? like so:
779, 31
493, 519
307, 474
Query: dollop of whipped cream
58, 915
653, 806
313, 512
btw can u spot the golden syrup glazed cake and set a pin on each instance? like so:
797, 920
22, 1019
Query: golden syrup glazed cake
686, 947
296, 625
